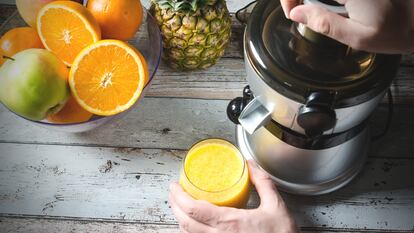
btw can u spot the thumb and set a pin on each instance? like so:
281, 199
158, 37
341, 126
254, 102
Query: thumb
342, 29
269, 197
288, 5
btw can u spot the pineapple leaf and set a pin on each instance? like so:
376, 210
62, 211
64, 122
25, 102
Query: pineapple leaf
182, 5
194, 5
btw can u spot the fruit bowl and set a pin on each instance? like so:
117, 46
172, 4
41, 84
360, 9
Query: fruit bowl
147, 40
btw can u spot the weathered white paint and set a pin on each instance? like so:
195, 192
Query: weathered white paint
155, 123
77, 181
53, 225
178, 123
226, 79
71, 181
36, 225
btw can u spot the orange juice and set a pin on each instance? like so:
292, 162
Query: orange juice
214, 170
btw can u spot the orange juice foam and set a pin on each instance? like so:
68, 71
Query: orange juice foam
215, 171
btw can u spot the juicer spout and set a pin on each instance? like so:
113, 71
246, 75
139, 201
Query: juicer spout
254, 116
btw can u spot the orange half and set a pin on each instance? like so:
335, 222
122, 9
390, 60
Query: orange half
66, 28
108, 77
70, 113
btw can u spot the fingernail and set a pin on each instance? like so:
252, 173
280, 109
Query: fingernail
297, 15
287, 14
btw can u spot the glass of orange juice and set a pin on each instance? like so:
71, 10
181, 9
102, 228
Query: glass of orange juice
214, 170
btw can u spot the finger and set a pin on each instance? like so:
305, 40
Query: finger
182, 230
269, 197
187, 224
200, 211
333, 25
288, 5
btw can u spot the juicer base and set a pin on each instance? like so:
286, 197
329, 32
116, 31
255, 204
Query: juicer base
317, 188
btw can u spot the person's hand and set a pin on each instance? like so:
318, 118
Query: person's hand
381, 26
195, 216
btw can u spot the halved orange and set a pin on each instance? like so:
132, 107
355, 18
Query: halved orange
71, 113
66, 28
108, 77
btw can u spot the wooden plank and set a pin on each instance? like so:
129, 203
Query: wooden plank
5, 12
8, 2
36, 225
49, 225
79, 182
226, 80
74, 181
155, 123
178, 123
408, 60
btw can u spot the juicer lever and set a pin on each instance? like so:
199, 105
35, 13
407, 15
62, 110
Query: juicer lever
317, 116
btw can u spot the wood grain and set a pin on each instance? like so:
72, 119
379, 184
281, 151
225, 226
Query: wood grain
155, 123
75, 181
36, 225
55, 225
5, 12
178, 123
226, 80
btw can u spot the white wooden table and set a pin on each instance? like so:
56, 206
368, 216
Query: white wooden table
115, 178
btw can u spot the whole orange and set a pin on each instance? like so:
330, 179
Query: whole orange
18, 39
117, 19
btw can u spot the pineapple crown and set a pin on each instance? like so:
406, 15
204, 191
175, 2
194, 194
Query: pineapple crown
184, 5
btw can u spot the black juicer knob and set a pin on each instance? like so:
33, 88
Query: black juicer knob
236, 106
317, 115
247, 93
234, 109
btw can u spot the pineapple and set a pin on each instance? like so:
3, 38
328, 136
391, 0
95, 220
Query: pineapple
195, 32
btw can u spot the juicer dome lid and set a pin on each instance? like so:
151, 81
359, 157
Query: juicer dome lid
295, 61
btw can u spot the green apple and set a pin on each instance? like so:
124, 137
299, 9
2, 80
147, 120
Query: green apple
33, 84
